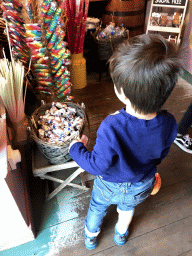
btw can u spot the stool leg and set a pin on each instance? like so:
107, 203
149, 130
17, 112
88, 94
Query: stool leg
50, 186
64, 183
82, 179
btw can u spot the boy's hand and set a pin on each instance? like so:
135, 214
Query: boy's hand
84, 140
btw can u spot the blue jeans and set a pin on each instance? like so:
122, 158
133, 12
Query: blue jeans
125, 195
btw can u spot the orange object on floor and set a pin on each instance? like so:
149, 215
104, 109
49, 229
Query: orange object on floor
157, 185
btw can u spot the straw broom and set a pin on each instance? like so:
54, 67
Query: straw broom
11, 88
11, 93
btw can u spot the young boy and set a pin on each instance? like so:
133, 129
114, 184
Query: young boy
133, 141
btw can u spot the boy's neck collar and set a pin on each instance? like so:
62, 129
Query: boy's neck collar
121, 96
132, 112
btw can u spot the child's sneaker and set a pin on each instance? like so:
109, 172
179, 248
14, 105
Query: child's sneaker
120, 239
184, 142
90, 242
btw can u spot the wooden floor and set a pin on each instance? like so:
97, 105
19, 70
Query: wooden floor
162, 225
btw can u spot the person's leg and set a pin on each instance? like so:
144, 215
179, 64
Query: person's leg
186, 121
97, 209
124, 220
95, 214
122, 226
133, 195
183, 140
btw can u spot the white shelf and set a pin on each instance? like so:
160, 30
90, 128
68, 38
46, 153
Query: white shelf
164, 29
172, 30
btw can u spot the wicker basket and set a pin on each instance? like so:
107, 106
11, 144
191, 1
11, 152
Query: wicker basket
56, 153
106, 46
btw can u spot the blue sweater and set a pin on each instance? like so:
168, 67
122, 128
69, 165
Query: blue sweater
127, 149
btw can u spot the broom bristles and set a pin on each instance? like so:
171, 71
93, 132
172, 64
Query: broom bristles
11, 85
11, 88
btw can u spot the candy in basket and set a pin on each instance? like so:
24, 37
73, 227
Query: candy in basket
54, 126
108, 39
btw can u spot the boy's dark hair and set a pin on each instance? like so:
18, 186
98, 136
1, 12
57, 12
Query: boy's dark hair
146, 68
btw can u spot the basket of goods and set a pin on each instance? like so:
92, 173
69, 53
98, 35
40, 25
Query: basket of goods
108, 39
54, 126
92, 24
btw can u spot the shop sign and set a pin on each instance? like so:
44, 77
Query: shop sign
170, 2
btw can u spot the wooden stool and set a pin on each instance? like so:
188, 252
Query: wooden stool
41, 166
